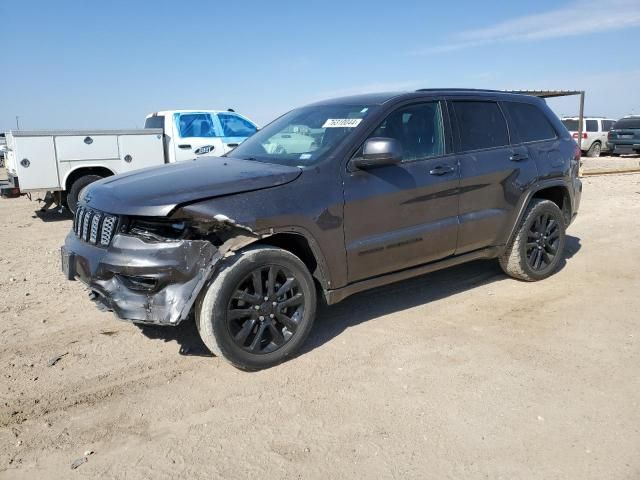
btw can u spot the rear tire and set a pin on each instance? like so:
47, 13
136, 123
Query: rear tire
259, 308
595, 150
76, 188
537, 248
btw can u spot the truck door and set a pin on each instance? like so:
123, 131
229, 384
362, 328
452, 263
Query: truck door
197, 135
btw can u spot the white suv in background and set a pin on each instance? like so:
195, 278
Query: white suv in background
594, 135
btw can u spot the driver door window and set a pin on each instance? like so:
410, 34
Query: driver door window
418, 128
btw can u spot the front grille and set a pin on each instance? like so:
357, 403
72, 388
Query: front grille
94, 227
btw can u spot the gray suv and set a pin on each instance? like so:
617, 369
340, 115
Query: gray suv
328, 200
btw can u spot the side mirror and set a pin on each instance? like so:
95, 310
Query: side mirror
377, 152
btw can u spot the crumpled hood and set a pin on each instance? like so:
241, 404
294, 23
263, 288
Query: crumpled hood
156, 191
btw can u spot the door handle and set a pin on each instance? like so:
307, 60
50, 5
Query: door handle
232, 145
518, 157
184, 146
441, 170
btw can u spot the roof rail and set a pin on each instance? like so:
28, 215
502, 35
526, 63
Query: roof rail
459, 90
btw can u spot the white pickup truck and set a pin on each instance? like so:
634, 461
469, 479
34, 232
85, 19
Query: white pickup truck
63, 162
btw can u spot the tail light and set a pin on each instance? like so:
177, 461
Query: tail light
577, 153
576, 136
610, 135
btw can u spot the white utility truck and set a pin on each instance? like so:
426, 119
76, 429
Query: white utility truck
63, 162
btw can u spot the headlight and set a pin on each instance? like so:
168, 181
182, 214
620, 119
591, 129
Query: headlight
157, 230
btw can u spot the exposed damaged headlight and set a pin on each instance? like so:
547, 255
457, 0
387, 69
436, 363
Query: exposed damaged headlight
157, 230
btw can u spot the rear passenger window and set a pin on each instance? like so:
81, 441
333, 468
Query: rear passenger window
481, 125
592, 125
530, 122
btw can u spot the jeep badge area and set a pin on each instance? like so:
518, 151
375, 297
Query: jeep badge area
329, 199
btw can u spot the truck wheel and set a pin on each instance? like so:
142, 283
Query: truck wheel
536, 250
76, 188
594, 150
259, 309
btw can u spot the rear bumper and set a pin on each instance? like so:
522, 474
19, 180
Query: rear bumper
624, 147
139, 281
11, 188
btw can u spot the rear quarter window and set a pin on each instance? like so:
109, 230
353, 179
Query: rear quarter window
156, 121
571, 125
607, 125
530, 122
480, 124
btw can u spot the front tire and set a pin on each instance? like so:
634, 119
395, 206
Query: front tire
259, 308
537, 249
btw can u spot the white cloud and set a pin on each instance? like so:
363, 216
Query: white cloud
578, 18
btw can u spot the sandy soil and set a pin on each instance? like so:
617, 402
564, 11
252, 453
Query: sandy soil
463, 373
606, 163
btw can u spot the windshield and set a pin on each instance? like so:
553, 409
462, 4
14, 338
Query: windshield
571, 125
303, 136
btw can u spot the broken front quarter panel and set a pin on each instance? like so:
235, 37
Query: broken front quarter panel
149, 282
175, 271
305, 207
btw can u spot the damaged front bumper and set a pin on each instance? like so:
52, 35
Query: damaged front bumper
146, 282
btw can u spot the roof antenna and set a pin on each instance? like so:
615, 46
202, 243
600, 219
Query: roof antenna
231, 110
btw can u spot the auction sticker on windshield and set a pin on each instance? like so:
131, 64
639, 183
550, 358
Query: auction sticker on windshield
342, 123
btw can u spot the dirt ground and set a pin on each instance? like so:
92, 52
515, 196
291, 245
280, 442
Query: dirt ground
463, 373
609, 164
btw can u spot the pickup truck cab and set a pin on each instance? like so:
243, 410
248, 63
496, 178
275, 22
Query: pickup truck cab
329, 199
63, 162
191, 133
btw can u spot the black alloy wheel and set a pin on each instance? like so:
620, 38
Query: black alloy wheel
543, 239
265, 309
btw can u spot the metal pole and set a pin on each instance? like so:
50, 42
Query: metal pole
17, 122
581, 120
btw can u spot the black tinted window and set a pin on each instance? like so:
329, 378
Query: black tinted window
571, 125
633, 122
530, 122
481, 125
418, 128
607, 125
592, 125
157, 121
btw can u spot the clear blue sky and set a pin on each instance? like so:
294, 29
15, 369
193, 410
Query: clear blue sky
90, 64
